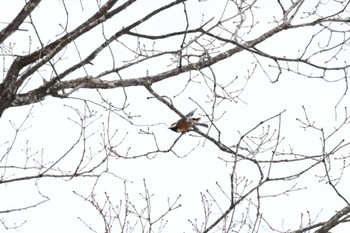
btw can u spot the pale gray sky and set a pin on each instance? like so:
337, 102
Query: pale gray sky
51, 130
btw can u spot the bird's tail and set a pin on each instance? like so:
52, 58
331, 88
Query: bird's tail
202, 124
195, 121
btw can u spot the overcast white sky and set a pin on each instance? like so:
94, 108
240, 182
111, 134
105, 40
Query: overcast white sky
51, 131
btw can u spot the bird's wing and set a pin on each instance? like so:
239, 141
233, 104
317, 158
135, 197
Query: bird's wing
191, 113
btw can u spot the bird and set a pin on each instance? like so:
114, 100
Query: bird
185, 124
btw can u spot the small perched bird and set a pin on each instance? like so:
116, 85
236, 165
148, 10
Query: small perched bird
185, 124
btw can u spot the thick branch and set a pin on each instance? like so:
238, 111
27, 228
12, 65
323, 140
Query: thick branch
13, 26
333, 221
12, 80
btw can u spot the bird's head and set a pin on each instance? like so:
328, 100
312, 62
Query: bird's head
173, 127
